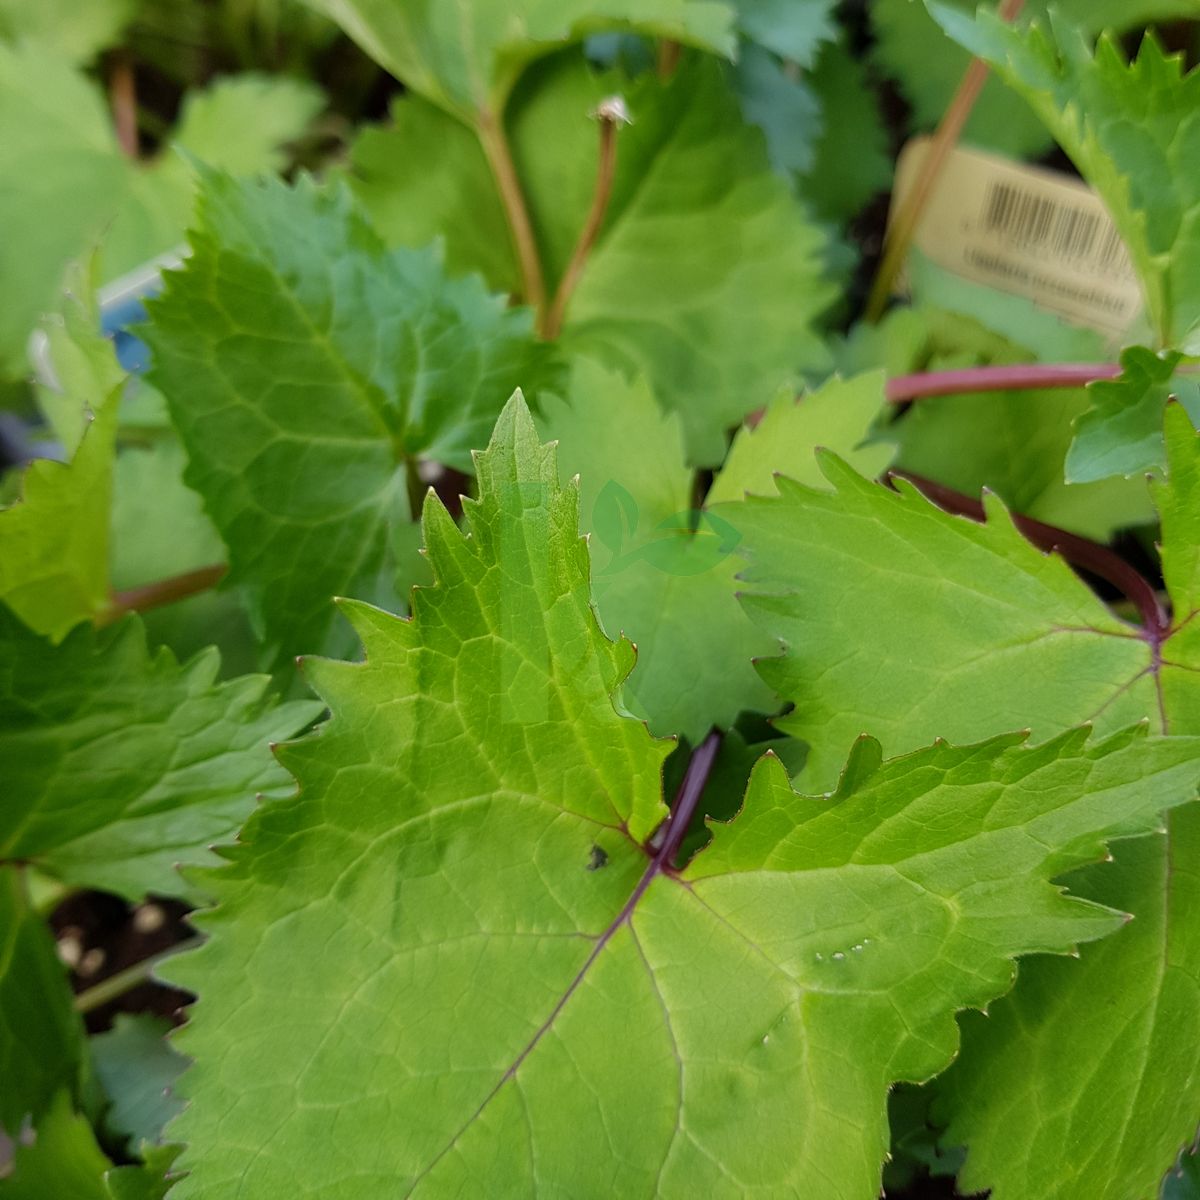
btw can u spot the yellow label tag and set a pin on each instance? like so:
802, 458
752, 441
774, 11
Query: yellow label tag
1024, 230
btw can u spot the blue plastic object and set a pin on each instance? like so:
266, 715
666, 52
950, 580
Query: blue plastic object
122, 305
122, 308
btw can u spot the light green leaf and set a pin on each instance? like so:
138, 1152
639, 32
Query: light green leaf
307, 369
41, 1038
424, 176
1178, 502
57, 156
715, 334
83, 363
243, 123
65, 184
75, 29
167, 537
668, 587
466, 58
170, 537
1121, 433
1132, 129
615, 1030
902, 621
120, 765
1081, 1086
1103, 1049
912, 339
54, 540
851, 160
240, 124
838, 416
137, 1068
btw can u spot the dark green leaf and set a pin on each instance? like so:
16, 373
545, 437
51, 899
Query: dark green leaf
307, 370
120, 764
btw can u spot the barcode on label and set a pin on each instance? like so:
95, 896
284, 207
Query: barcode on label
1085, 237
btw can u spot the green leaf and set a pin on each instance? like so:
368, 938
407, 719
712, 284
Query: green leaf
68, 185
63, 1160
466, 59
150, 1181
1178, 503
1097, 1056
782, 106
838, 416
54, 540
120, 765
666, 586
1016, 444
421, 177
57, 156
1130, 1003
75, 29
1012, 443
83, 364
168, 537
41, 1038
307, 369
147, 1182
913, 1148
928, 66
243, 123
793, 29
1183, 1183
1078, 1085
240, 124
1132, 129
546, 1005
1121, 433
851, 162
1030, 330
137, 1068
900, 620
78, 530
714, 333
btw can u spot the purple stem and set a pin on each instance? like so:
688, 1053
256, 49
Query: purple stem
1079, 551
1018, 378
694, 780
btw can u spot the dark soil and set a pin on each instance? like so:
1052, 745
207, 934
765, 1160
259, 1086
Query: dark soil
99, 935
